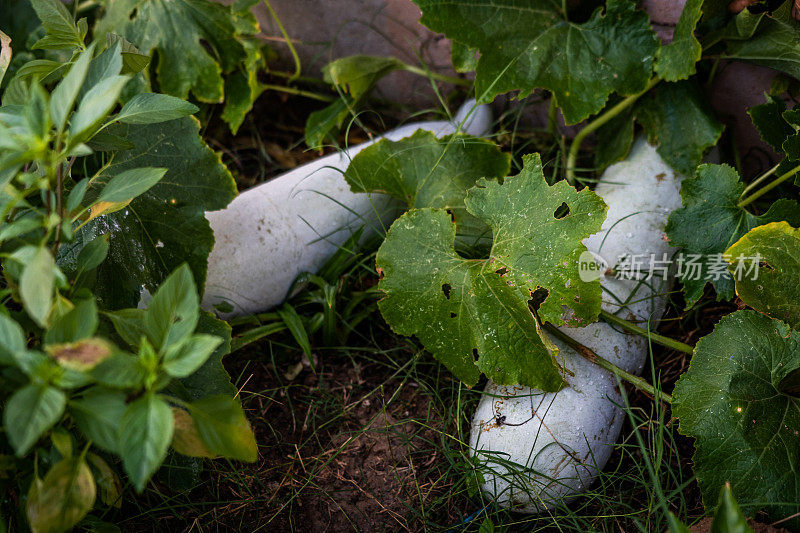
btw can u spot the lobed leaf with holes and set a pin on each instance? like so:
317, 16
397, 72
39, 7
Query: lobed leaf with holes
473, 315
426, 171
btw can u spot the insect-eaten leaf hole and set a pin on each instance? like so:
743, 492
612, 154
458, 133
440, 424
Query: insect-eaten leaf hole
207, 47
502, 271
538, 296
452, 215
562, 211
475, 354
453, 315
766, 266
446, 288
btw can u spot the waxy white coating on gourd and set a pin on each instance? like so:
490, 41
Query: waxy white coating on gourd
292, 224
563, 439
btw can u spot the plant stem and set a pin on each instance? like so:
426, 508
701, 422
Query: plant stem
59, 208
597, 123
436, 76
761, 178
304, 79
300, 92
297, 64
611, 318
761, 192
592, 357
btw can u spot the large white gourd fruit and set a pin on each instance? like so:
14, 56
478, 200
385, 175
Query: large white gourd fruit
292, 224
561, 440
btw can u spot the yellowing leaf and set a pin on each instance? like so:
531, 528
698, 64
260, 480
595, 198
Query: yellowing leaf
186, 439
81, 355
59, 501
105, 208
223, 427
766, 270
709, 201
107, 481
5, 54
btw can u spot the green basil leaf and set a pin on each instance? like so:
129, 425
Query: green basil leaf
94, 107
174, 311
62, 32
30, 412
145, 432
129, 184
121, 371
97, 414
184, 359
5, 54
151, 108
211, 378
129, 324
37, 285
66, 92
77, 324
105, 65
12, 340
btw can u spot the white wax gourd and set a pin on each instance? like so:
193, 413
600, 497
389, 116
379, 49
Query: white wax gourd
563, 439
270, 234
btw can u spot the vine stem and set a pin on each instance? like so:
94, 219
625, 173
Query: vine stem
761, 178
592, 357
611, 318
436, 76
764, 190
297, 64
300, 92
595, 124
